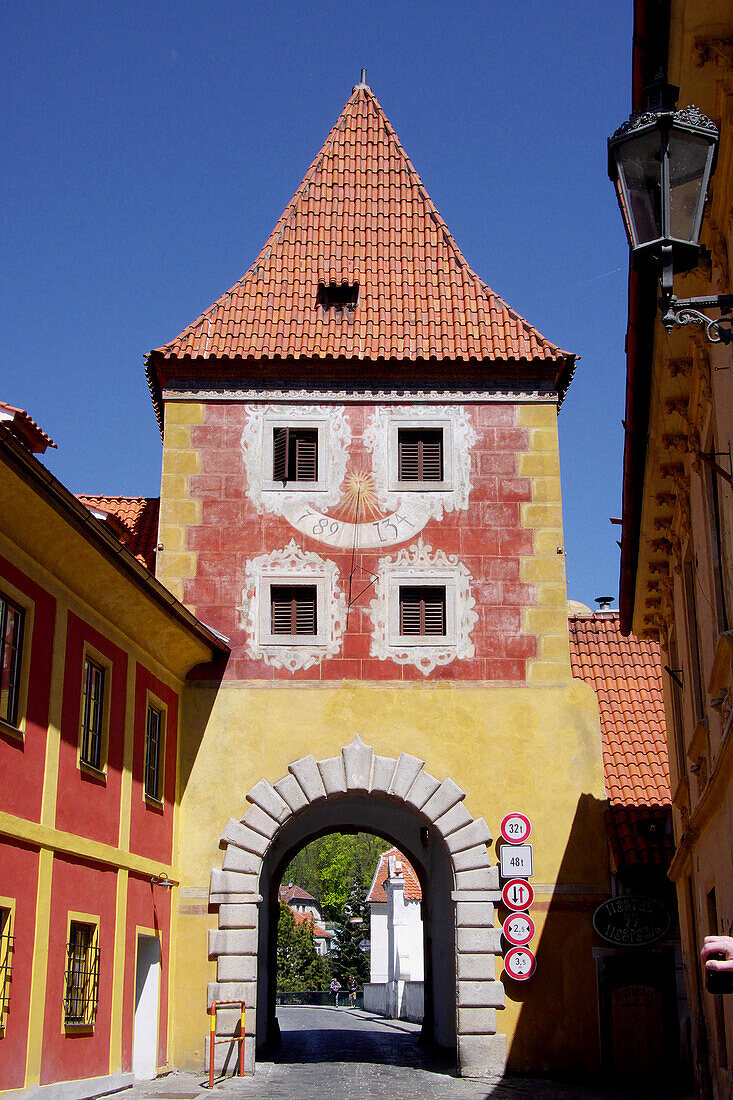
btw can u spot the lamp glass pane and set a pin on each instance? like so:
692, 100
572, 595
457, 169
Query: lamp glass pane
688, 157
639, 168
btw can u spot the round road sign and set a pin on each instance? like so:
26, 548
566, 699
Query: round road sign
517, 894
518, 929
515, 828
520, 963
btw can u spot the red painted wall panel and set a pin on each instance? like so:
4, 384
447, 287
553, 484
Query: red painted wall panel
487, 537
151, 827
85, 804
22, 763
147, 907
78, 887
18, 881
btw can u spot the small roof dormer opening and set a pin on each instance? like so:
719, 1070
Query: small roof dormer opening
338, 296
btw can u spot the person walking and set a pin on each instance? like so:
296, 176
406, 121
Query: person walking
351, 986
335, 987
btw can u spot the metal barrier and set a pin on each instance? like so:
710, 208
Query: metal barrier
229, 1039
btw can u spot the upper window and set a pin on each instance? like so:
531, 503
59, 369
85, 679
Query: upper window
6, 961
11, 648
422, 611
420, 454
82, 974
92, 718
154, 736
295, 454
293, 610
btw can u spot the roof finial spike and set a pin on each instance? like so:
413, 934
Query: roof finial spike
362, 83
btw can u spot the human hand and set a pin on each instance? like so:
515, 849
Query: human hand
713, 945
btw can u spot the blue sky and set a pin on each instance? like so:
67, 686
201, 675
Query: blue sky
150, 148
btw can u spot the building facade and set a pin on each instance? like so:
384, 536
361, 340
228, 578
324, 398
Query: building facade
677, 544
95, 653
361, 491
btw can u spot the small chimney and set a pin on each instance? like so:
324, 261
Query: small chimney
604, 602
363, 82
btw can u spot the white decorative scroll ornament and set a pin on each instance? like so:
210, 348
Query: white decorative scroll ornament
334, 439
288, 566
459, 438
420, 564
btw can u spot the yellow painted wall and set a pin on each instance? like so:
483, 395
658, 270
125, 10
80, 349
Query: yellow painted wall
535, 749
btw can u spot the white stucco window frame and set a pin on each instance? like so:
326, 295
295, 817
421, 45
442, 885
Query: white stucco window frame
395, 425
408, 579
302, 580
321, 425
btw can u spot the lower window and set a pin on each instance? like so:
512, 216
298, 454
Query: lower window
293, 610
153, 753
82, 974
6, 962
422, 611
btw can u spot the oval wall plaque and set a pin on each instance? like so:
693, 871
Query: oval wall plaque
631, 921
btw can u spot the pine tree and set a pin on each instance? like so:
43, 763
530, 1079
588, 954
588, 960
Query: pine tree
299, 966
351, 928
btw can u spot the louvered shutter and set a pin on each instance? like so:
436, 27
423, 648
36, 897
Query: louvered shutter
306, 455
280, 447
420, 455
422, 611
293, 609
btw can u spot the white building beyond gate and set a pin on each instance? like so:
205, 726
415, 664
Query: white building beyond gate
397, 965
359, 772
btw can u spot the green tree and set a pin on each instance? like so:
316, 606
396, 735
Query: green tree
351, 928
299, 966
328, 866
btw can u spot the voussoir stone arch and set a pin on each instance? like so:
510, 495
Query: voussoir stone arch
360, 771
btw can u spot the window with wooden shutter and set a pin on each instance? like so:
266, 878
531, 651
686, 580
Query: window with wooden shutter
293, 609
153, 752
11, 649
295, 454
422, 611
420, 454
92, 715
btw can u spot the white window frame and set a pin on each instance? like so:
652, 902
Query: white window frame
395, 425
265, 600
320, 424
408, 579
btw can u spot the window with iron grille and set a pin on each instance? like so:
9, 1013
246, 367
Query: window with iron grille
6, 962
294, 454
153, 752
422, 611
420, 454
82, 974
92, 720
11, 649
293, 609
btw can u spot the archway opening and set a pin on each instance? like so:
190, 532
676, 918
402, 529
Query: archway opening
412, 834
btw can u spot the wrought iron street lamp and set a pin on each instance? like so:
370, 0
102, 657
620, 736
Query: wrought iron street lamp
660, 162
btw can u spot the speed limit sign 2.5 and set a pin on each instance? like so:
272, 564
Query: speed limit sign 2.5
520, 963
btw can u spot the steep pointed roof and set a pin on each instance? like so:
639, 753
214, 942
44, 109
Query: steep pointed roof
362, 216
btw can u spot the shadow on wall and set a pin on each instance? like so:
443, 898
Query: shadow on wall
557, 1026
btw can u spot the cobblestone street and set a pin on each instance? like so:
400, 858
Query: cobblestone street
344, 1055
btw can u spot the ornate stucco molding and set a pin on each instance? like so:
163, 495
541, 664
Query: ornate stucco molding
419, 564
288, 566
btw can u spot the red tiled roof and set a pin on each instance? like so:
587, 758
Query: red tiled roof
377, 893
362, 215
307, 918
295, 893
137, 523
626, 675
25, 429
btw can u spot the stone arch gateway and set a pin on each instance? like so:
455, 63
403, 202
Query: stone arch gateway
360, 789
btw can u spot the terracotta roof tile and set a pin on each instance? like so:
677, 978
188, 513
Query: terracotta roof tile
136, 523
307, 918
294, 893
377, 893
362, 215
25, 429
626, 675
